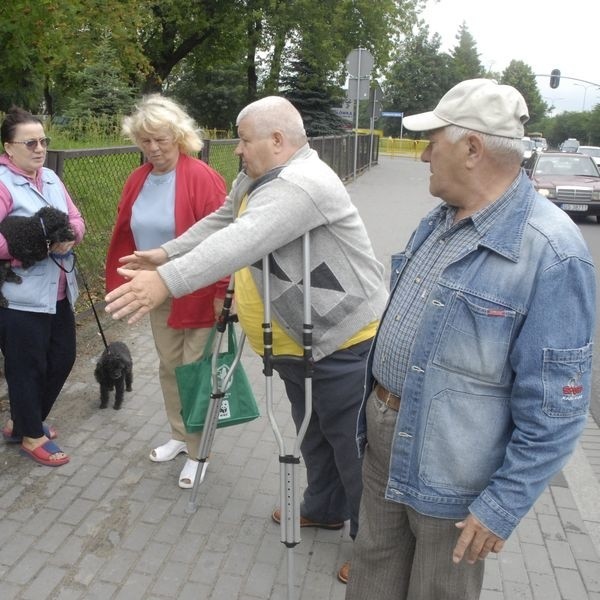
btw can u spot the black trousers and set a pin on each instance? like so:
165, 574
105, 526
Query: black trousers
333, 468
39, 353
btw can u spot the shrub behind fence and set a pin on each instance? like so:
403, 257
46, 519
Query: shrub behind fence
95, 178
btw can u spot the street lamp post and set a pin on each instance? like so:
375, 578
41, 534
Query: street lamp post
585, 89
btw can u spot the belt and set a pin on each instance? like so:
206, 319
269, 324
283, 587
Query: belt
389, 399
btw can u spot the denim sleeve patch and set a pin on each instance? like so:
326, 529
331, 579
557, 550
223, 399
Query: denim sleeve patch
567, 378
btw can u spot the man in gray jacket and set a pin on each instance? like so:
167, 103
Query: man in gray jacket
284, 191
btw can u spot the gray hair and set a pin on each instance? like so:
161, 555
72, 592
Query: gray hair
274, 113
156, 113
504, 149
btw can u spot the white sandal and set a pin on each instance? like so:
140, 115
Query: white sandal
188, 474
168, 451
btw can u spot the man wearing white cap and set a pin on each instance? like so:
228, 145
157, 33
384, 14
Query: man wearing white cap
479, 378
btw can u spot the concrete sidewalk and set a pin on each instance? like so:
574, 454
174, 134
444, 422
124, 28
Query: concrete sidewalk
113, 525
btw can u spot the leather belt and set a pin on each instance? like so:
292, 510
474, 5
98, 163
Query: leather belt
389, 399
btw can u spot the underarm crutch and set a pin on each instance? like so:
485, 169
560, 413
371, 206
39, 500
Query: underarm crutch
288, 470
218, 388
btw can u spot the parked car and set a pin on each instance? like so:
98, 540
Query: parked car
528, 147
569, 145
540, 144
593, 151
570, 180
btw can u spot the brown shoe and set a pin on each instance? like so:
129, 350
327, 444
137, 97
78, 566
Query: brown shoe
344, 572
304, 522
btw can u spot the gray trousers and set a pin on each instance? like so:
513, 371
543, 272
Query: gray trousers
400, 554
333, 469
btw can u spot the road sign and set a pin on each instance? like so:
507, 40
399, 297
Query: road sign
358, 89
361, 60
392, 114
374, 107
344, 113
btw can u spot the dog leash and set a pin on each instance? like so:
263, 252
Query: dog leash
85, 285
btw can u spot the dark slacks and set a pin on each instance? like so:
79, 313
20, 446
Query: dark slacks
39, 353
329, 451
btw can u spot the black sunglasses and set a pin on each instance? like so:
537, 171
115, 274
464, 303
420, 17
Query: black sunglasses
32, 144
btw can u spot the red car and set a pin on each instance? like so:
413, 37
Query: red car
570, 180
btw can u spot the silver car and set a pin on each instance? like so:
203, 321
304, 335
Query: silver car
593, 151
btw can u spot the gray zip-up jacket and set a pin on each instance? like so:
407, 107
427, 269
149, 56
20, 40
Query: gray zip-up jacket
347, 288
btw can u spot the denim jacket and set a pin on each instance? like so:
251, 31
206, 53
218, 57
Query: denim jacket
498, 387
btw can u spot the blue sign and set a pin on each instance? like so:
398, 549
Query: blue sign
392, 114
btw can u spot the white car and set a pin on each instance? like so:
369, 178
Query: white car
528, 147
593, 151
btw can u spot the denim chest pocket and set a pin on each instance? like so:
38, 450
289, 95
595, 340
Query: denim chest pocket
475, 339
567, 377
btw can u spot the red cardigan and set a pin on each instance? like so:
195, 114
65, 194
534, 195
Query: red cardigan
199, 191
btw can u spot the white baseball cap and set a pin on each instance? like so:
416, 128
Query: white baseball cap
478, 104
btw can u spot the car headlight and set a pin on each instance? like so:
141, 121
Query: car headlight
596, 195
548, 192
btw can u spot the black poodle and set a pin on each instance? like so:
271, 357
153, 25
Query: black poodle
6, 274
29, 239
114, 370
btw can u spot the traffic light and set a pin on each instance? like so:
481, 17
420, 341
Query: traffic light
554, 78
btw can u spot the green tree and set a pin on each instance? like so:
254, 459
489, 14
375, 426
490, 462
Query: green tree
51, 42
173, 29
522, 77
313, 96
464, 57
104, 85
213, 94
418, 77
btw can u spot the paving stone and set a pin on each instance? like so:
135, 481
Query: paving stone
26, 568
44, 583
590, 571
551, 527
171, 578
14, 548
536, 559
517, 591
560, 554
570, 584
544, 587
582, 547
512, 567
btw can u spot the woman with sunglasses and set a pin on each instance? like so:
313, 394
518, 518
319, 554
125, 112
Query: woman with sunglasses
37, 329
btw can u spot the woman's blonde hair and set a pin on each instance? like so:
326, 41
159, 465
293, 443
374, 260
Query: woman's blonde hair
154, 114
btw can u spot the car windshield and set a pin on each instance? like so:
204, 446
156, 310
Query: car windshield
527, 144
566, 165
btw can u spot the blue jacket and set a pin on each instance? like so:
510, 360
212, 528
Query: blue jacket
39, 287
499, 384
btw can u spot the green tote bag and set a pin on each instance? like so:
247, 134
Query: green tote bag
194, 381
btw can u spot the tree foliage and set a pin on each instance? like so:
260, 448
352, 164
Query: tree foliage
464, 56
217, 56
105, 88
521, 76
418, 77
314, 97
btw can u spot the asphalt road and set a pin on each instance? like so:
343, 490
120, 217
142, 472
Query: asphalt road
392, 208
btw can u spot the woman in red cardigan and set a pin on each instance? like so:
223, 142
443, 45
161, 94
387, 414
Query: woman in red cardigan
160, 201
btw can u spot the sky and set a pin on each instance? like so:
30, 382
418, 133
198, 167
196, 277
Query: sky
543, 34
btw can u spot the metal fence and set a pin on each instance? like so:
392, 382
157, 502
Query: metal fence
95, 178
